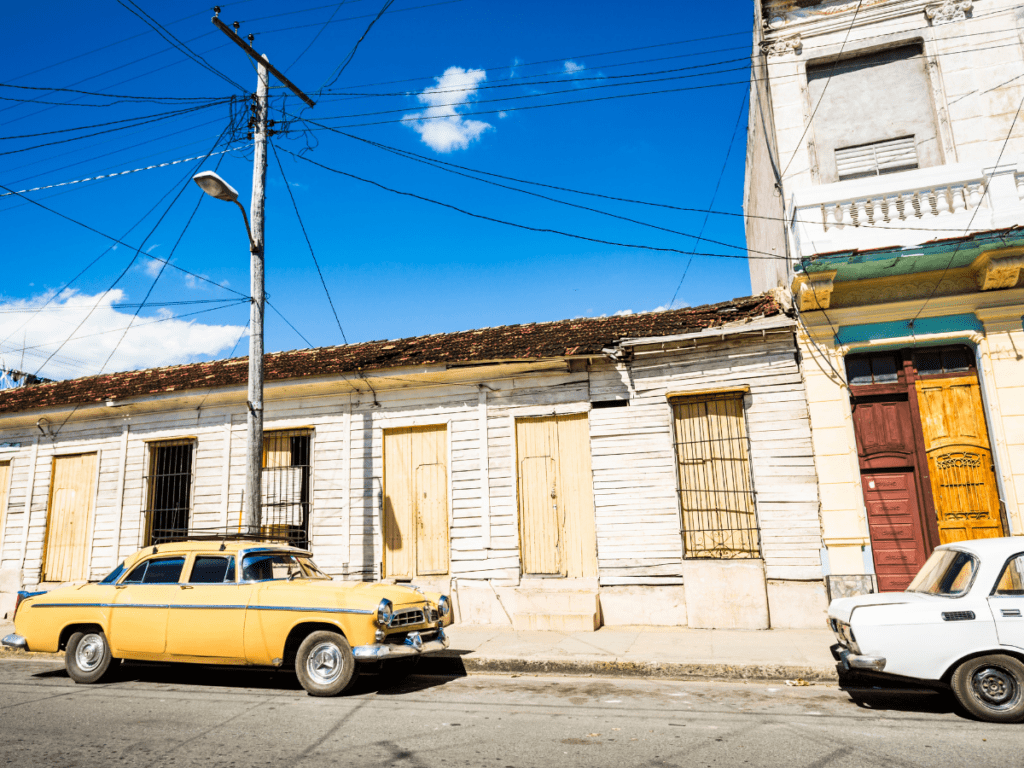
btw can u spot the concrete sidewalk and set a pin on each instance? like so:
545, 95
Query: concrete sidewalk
667, 652
676, 652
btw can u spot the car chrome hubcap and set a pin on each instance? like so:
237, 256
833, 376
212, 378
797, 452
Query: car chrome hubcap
996, 688
325, 663
89, 653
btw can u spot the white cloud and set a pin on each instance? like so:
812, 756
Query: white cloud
623, 313
441, 126
571, 67
152, 267
148, 344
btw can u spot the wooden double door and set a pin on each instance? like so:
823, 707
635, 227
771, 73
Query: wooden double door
926, 464
416, 539
69, 517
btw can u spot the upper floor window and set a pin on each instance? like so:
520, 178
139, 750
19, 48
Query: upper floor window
873, 114
169, 490
877, 158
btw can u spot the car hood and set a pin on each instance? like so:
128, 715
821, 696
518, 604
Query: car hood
356, 594
842, 608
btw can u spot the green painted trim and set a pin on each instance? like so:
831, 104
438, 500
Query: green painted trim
893, 329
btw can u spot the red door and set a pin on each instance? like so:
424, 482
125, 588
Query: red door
894, 522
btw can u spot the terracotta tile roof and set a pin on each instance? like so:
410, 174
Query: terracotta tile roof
579, 337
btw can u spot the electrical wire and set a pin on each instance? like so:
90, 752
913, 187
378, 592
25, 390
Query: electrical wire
354, 18
714, 197
170, 38
516, 225
127, 97
824, 88
319, 32
170, 113
340, 69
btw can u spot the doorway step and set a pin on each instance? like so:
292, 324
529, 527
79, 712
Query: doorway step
560, 605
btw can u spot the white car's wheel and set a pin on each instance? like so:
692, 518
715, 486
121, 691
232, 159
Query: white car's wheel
87, 656
324, 664
991, 688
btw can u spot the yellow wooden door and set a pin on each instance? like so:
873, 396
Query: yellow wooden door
416, 502
556, 496
72, 491
956, 442
5, 474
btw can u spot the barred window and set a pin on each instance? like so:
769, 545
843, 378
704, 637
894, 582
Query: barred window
285, 491
715, 489
168, 491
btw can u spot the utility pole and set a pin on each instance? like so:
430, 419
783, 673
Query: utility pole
260, 134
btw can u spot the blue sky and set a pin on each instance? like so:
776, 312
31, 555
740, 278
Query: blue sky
395, 265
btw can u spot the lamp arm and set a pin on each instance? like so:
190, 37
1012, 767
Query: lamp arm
248, 230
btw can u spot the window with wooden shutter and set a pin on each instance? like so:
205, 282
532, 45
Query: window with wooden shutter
285, 490
876, 158
716, 493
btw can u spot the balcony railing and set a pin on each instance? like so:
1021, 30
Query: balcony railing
907, 208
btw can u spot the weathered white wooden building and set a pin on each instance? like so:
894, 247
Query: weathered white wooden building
647, 469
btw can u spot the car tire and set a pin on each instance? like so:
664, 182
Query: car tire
324, 664
87, 657
991, 688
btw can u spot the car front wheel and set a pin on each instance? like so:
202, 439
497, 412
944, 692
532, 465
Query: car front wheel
87, 657
991, 688
324, 664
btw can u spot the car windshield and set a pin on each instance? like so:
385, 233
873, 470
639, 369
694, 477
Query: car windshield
271, 566
948, 573
113, 575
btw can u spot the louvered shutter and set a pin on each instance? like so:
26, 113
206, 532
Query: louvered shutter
877, 158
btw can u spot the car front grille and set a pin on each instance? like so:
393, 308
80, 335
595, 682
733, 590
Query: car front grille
412, 616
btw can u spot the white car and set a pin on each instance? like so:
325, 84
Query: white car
960, 623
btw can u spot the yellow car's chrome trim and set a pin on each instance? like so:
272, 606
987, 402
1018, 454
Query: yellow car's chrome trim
203, 607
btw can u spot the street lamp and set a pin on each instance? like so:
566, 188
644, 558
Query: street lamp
215, 186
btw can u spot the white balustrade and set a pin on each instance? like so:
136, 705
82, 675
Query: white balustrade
907, 208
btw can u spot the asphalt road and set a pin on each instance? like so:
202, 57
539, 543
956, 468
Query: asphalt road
195, 716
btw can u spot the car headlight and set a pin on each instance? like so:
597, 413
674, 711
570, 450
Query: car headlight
444, 605
385, 612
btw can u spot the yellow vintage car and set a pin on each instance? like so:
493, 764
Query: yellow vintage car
231, 602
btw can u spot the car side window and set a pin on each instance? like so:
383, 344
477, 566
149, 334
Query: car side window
269, 567
1011, 583
165, 571
212, 570
137, 575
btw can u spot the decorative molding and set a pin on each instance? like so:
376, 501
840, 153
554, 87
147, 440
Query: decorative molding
782, 46
948, 11
994, 271
903, 289
814, 291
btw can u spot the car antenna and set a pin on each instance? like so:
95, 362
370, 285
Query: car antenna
154, 549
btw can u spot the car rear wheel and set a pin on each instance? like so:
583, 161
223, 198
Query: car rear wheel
991, 688
324, 664
87, 657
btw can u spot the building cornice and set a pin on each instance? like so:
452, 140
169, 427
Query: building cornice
783, 18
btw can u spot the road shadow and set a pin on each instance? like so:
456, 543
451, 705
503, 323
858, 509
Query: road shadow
903, 699
390, 683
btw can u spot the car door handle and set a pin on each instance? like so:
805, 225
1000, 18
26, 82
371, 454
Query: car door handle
186, 586
121, 586
1011, 612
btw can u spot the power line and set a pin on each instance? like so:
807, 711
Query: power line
184, 185
118, 241
170, 113
116, 174
714, 197
543, 230
302, 226
824, 88
165, 116
438, 165
337, 7
129, 97
436, 161
169, 37
354, 18
340, 69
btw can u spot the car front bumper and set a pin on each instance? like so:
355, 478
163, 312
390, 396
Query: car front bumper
17, 642
414, 645
857, 661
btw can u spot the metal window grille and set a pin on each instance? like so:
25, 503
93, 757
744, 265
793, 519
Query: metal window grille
285, 491
169, 491
716, 492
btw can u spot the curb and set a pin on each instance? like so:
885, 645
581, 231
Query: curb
453, 664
